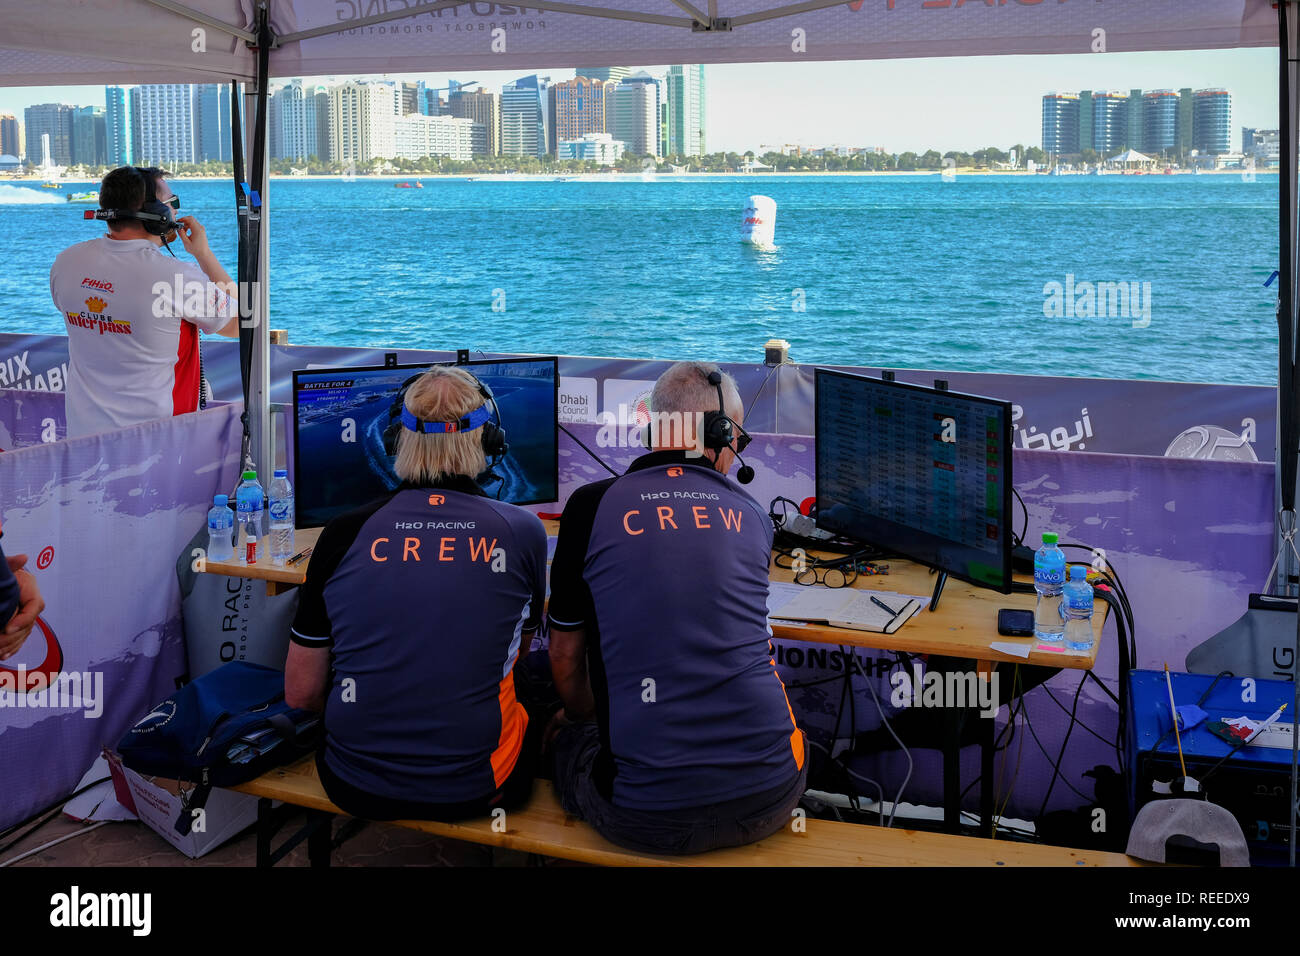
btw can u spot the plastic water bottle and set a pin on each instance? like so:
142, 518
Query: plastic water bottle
1049, 579
221, 529
1076, 610
248, 508
280, 495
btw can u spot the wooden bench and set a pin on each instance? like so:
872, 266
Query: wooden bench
542, 827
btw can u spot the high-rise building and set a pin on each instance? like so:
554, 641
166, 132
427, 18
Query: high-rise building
418, 136
361, 122
686, 111
322, 98
606, 74
11, 136
408, 98
89, 146
632, 111
1061, 123
524, 116
1263, 145
168, 133
212, 122
1134, 134
293, 114
484, 108
1085, 119
1159, 122
120, 115
595, 147
1186, 119
1109, 122
55, 121
577, 108
1212, 132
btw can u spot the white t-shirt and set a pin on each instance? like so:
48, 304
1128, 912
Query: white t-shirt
133, 314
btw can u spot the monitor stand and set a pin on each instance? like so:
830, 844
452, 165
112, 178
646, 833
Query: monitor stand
938, 589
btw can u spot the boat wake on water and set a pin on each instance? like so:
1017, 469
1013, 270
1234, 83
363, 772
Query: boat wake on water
25, 196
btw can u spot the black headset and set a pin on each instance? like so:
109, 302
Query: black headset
486, 417
154, 216
720, 431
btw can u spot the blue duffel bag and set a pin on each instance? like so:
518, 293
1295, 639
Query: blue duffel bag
227, 727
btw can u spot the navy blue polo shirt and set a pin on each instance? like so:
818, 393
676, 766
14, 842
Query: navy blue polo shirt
666, 571
423, 598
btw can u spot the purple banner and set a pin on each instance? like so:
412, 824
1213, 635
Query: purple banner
102, 519
1174, 419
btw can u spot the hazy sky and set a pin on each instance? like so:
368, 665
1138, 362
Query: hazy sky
951, 103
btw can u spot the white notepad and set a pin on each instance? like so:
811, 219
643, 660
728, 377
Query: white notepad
848, 607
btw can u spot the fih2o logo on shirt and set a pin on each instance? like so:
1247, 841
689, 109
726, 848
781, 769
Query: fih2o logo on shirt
435, 500
674, 472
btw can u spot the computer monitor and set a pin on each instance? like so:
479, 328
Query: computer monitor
347, 420
921, 472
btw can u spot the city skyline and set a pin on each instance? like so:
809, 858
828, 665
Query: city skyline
950, 104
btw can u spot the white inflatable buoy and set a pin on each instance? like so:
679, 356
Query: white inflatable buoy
758, 227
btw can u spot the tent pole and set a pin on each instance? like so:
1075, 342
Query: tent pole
1288, 397
1288, 408
259, 385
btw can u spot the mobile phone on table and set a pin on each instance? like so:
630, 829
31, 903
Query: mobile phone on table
1015, 623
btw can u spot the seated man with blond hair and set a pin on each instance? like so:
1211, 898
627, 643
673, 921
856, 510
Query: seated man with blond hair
415, 612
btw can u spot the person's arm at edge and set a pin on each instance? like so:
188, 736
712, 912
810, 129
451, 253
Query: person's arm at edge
306, 677
195, 240
569, 671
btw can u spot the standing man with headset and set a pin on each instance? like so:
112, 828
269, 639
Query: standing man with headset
133, 314
416, 613
679, 737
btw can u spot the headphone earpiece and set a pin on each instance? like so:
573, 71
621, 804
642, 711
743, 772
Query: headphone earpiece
718, 432
160, 220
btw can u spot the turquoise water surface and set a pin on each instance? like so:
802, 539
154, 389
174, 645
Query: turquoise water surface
905, 271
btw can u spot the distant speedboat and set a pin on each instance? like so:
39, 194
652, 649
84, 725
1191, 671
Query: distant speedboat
50, 186
83, 197
404, 186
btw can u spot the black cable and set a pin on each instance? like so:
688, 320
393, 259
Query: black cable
1024, 528
578, 442
762, 386
51, 812
1052, 697
1056, 767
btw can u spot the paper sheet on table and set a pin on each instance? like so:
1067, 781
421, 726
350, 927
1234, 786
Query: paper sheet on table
781, 594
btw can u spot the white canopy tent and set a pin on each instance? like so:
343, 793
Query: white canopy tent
70, 42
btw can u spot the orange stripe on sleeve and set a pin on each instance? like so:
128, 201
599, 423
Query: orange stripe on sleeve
514, 722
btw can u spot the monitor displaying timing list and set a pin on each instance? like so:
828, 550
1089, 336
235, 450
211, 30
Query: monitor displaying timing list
922, 472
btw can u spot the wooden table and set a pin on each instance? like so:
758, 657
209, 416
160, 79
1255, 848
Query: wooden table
278, 579
963, 625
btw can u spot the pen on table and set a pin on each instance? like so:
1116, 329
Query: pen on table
881, 604
298, 557
1266, 724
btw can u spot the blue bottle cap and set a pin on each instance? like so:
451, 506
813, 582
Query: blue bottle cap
281, 473
1078, 573
220, 500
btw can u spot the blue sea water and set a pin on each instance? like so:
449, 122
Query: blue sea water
900, 271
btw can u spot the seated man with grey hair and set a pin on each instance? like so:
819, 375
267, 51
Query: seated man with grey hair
677, 736
415, 612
